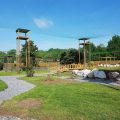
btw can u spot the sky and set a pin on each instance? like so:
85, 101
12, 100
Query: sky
59, 23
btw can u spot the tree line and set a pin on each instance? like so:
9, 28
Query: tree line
65, 56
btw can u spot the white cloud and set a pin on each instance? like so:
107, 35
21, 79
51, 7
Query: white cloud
43, 23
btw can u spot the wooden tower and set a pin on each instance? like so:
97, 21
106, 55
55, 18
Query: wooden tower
26, 38
84, 46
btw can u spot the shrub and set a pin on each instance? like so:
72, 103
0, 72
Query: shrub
30, 71
1, 66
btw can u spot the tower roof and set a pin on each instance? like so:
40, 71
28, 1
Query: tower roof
83, 38
22, 30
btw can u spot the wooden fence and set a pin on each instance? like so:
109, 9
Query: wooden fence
63, 68
96, 63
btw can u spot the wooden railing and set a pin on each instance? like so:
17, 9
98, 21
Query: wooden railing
62, 68
96, 63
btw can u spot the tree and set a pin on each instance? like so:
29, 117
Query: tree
51, 54
114, 44
101, 48
41, 53
33, 52
69, 56
11, 54
2, 55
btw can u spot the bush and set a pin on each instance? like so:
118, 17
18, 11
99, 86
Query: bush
1, 66
30, 71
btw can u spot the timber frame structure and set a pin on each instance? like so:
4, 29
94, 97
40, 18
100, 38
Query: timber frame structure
84, 46
18, 53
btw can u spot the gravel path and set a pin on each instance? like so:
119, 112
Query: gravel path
9, 118
15, 87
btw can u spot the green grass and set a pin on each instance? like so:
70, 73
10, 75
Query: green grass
40, 71
104, 68
2, 85
65, 74
109, 68
67, 101
10, 73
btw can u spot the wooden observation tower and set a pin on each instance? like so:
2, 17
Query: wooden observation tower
26, 38
85, 43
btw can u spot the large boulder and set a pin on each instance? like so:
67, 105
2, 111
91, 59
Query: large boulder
114, 75
75, 72
99, 74
91, 74
84, 73
118, 78
81, 73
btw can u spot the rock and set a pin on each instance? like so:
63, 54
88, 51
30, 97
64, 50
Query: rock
114, 75
91, 74
75, 71
99, 74
82, 73
118, 78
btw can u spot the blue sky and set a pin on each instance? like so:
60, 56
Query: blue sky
59, 23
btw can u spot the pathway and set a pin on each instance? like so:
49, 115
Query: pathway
15, 87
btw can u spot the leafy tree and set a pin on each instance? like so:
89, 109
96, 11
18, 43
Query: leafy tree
2, 55
11, 52
41, 53
33, 52
69, 56
12, 55
51, 54
114, 44
101, 48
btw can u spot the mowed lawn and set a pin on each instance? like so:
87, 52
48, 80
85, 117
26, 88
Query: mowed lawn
57, 99
2, 85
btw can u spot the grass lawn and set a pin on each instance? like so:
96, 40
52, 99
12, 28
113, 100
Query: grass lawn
14, 73
2, 85
109, 68
10, 73
64, 74
57, 99
41, 71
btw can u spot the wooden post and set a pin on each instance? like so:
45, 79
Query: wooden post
28, 52
84, 55
18, 52
79, 51
89, 52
